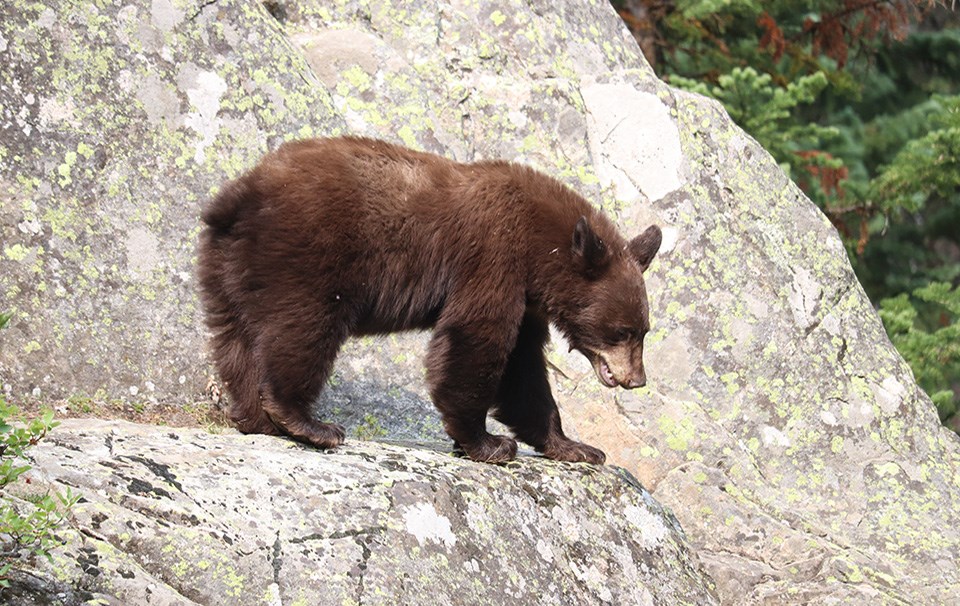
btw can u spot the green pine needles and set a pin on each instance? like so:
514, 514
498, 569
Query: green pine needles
926, 168
768, 112
930, 342
860, 104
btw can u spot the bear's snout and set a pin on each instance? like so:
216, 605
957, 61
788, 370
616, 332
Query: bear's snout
635, 382
616, 367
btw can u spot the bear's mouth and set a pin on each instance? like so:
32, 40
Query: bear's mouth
605, 374
602, 369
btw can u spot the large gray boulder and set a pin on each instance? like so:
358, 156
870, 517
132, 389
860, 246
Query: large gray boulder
779, 424
194, 518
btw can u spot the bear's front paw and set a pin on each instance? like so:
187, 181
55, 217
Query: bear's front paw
574, 452
492, 449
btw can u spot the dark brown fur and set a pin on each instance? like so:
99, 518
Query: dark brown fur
329, 238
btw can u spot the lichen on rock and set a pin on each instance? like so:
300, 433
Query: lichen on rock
778, 422
190, 517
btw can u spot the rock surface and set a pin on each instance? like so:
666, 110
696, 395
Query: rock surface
194, 518
779, 424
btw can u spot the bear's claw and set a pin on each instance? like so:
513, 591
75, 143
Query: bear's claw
492, 449
574, 452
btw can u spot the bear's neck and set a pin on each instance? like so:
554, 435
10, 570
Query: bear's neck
550, 210
557, 284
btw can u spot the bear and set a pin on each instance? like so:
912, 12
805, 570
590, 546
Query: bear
332, 237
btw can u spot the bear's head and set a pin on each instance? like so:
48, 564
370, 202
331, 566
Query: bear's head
611, 320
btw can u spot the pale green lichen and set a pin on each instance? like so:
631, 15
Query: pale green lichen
17, 252
72, 80
776, 375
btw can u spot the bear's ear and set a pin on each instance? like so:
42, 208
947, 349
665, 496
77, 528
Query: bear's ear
645, 246
588, 246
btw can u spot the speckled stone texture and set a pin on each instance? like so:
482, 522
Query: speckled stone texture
188, 517
778, 422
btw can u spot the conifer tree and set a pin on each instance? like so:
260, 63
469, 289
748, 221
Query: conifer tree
859, 101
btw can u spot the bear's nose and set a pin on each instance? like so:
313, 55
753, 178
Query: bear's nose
638, 379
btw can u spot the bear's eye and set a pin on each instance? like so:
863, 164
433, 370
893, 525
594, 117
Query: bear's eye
622, 334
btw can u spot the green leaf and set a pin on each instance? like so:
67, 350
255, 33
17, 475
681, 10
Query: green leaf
28, 527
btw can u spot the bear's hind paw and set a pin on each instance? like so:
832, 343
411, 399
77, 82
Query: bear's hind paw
492, 449
321, 435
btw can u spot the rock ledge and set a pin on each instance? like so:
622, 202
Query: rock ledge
174, 516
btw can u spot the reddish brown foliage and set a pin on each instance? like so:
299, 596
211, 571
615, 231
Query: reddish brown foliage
856, 21
831, 183
829, 178
772, 36
833, 33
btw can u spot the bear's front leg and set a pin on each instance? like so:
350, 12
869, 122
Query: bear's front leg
464, 366
524, 401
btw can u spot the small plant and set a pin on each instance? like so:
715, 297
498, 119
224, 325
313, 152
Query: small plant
26, 525
80, 403
370, 428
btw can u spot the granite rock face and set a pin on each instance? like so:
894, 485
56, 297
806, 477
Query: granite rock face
778, 422
194, 518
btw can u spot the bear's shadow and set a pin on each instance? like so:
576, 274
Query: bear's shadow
385, 412
376, 411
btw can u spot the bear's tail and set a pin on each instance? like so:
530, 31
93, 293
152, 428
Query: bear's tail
232, 341
229, 205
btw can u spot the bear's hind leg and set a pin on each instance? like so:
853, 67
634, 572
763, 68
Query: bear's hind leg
231, 344
241, 374
297, 362
525, 404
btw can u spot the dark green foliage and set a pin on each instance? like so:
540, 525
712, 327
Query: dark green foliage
931, 343
926, 168
860, 102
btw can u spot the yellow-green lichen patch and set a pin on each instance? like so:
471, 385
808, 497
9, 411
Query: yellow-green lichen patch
679, 434
17, 252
